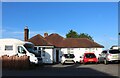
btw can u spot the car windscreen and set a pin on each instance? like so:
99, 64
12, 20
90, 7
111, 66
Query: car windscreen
69, 55
114, 51
90, 56
104, 52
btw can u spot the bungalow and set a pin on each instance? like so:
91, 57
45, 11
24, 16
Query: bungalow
53, 46
78, 46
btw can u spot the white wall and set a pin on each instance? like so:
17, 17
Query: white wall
80, 51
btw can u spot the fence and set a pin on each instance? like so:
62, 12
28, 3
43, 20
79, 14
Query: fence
15, 62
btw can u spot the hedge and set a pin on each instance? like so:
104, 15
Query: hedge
15, 62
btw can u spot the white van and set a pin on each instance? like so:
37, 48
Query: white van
12, 47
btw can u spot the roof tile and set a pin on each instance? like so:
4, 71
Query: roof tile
79, 43
38, 40
54, 39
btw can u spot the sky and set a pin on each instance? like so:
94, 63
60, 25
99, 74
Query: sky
98, 19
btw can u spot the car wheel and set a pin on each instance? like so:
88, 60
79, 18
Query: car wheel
99, 61
84, 63
105, 62
96, 63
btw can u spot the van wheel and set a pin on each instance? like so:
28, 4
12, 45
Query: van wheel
105, 62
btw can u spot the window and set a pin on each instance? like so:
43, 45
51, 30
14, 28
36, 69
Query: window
8, 47
43, 54
69, 55
90, 56
114, 51
35, 48
104, 52
70, 50
21, 50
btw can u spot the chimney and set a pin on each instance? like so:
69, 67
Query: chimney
26, 33
45, 35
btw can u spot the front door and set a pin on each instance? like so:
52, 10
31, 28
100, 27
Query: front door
57, 56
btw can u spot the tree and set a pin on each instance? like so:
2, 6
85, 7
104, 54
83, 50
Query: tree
84, 35
72, 34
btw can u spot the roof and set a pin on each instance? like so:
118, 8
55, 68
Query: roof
58, 41
54, 39
38, 40
79, 43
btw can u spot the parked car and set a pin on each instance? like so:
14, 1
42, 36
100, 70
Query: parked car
112, 55
88, 58
68, 58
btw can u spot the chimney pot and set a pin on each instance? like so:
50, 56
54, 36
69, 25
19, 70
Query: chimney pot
45, 35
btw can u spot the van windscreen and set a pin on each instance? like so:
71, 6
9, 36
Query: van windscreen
29, 47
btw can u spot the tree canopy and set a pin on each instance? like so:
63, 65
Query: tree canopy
74, 34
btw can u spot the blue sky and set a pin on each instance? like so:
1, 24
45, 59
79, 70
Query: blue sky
98, 19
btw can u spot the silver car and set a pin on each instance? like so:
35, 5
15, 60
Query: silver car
107, 56
68, 58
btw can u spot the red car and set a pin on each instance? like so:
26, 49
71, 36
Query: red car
88, 58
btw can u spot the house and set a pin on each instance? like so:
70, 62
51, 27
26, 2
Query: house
47, 47
53, 46
78, 46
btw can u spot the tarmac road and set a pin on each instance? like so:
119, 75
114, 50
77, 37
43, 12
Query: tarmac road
67, 70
